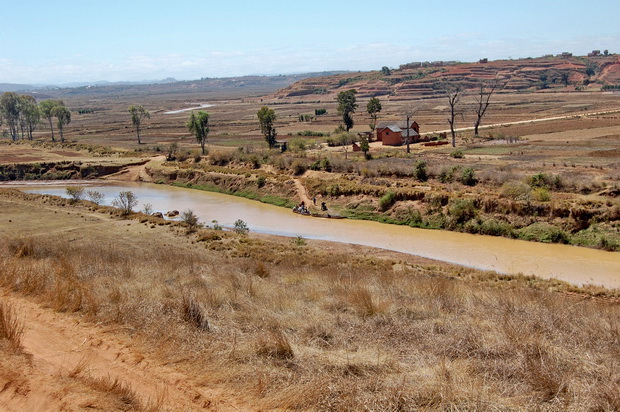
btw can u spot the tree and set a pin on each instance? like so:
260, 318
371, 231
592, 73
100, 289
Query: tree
125, 201
75, 193
63, 117
138, 114
373, 108
365, 147
266, 117
29, 114
482, 102
453, 93
46, 107
346, 107
386, 71
409, 112
9, 110
198, 124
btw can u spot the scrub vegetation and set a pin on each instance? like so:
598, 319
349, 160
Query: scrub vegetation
292, 325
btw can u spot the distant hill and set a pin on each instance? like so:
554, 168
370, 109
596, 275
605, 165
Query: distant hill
225, 87
10, 87
428, 78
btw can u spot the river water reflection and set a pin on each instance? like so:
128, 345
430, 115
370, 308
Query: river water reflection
573, 264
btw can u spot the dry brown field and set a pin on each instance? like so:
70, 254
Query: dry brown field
104, 313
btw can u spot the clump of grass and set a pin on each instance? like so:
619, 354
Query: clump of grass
193, 312
275, 345
261, 270
11, 328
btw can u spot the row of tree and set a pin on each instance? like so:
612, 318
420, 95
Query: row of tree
22, 115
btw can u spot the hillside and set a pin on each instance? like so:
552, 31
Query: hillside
225, 87
427, 79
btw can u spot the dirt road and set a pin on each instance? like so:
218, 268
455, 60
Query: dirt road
63, 348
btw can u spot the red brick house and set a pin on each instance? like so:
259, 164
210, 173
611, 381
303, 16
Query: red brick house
395, 134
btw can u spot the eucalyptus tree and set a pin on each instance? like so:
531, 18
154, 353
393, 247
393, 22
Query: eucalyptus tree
198, 124
266, 118
373, 108
63, 118
29, 115
346, 107
138, 114
45, 108
9, 110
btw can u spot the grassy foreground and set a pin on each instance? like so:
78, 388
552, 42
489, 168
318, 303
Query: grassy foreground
309, 326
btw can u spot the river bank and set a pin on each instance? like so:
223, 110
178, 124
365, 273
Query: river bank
579, 266
324, 324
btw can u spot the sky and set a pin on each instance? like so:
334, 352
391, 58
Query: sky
65, 41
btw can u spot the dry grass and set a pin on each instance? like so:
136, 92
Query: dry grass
11, 328
300, 328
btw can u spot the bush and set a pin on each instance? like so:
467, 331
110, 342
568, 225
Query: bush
326, 165
298, 167
420, 172
95, 197
260, 181
191, 220
125, 201
447, 174
515, 191
457, 154
387, 201
468, 177
75, 193
462, 210
241, 227
546, 181
541, 194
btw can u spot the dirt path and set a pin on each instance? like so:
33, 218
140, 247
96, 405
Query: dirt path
62, 347
544, 119
136, 173
301, 192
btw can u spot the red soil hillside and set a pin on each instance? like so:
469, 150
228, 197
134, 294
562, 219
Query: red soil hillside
425, 79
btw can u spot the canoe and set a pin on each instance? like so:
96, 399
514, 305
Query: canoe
325, 216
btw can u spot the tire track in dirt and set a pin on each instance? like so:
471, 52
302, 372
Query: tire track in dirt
59, 344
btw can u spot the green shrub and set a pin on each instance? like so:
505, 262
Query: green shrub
447, 174
387, 201
468, 177
462, 210
419, 171
494, 227
541, 194
260, 181
241, 227
457, 154
326, 165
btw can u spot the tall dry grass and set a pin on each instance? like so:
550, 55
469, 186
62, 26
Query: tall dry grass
11, 328
298, 328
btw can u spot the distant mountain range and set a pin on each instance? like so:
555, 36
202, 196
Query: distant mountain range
260, 83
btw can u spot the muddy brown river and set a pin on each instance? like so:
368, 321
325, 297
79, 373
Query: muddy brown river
570, 263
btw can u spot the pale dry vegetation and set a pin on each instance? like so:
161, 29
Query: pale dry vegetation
292, 327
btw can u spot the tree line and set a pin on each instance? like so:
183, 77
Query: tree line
22, 115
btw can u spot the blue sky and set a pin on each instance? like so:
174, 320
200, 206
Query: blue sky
61, 41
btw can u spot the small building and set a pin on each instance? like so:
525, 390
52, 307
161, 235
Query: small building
395, 134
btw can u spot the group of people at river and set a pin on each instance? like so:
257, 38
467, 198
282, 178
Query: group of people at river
302, 209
